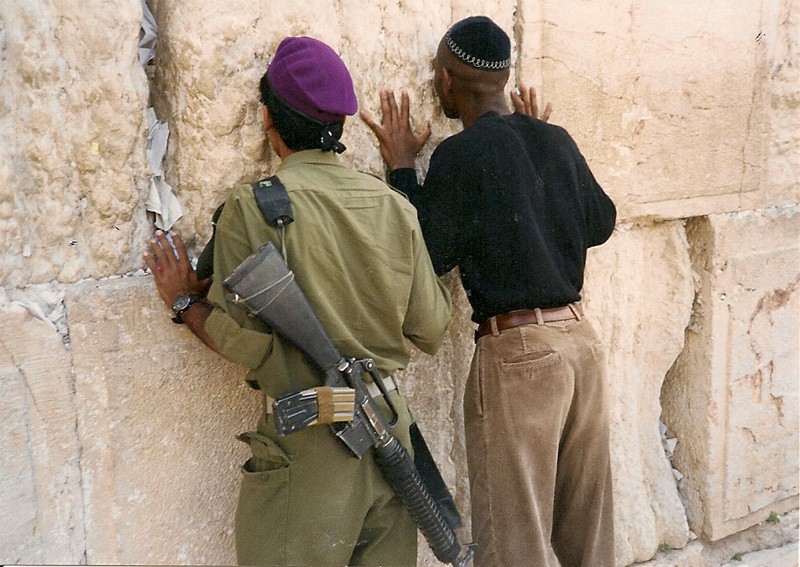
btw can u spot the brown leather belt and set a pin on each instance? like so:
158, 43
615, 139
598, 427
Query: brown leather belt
536, 316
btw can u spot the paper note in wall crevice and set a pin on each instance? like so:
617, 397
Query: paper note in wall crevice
148, 35
157, 138
160, 198
163, 203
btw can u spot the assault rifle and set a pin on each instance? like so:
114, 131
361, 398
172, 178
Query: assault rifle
266, 287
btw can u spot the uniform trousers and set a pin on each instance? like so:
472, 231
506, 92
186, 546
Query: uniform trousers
536, 418
305, 500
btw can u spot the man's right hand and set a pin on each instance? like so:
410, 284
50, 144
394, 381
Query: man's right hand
399, 144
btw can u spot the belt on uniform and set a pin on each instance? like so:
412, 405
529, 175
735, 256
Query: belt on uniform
389, 383
493, 325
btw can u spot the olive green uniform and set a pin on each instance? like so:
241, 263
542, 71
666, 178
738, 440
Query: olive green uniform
358, 254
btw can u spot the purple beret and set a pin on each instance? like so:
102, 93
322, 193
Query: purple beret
312, 79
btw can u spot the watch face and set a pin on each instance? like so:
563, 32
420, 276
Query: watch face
181, 303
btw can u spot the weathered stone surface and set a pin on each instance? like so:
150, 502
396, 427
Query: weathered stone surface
640, 314
40, 484
782, 25
72, 131
775, 540
717, 81
72, 203
157, 419
638, 295
784, 556
732, 398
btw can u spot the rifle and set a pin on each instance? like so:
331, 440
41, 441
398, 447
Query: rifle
266, 287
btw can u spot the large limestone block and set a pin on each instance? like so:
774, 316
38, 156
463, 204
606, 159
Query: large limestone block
732, 397
40, 485
72, 140
673, 103
774, 542
157, 417
783, 149
638, 295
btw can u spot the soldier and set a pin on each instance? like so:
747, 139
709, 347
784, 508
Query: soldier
511, 201
357, 251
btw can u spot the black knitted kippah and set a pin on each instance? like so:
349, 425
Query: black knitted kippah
480, 43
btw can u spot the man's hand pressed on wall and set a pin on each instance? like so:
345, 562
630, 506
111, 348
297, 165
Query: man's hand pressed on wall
399, 144
524, 101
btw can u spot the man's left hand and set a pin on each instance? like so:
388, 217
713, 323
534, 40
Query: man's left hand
524, 100
399, 143
173, 274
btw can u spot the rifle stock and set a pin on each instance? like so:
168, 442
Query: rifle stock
258, 282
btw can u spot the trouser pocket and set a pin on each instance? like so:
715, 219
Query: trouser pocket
263, 503
267, 455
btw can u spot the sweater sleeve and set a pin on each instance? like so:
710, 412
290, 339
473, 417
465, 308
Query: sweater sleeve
404, 179
600, 214
442, 206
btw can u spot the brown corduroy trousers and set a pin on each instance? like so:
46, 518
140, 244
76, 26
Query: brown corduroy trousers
536, 416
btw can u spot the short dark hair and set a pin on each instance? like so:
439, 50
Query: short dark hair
298, 131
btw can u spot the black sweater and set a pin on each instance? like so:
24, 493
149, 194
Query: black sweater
511, 201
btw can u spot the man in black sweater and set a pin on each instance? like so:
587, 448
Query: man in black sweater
511, 202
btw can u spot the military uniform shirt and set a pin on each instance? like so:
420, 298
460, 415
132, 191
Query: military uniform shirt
357, 252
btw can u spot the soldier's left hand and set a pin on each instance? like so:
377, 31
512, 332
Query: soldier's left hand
172, 270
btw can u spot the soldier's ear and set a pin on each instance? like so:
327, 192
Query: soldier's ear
267, 118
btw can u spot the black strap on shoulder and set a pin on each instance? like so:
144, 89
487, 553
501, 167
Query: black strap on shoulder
205, 262
273, 201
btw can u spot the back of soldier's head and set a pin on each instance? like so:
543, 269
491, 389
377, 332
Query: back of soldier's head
309, 92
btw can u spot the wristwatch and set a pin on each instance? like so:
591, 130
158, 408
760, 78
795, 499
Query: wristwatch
181, 304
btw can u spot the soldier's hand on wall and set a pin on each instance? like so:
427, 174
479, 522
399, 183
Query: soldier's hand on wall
399, 144
172, 270
524, 101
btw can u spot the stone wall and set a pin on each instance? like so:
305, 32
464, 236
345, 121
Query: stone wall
119, 427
